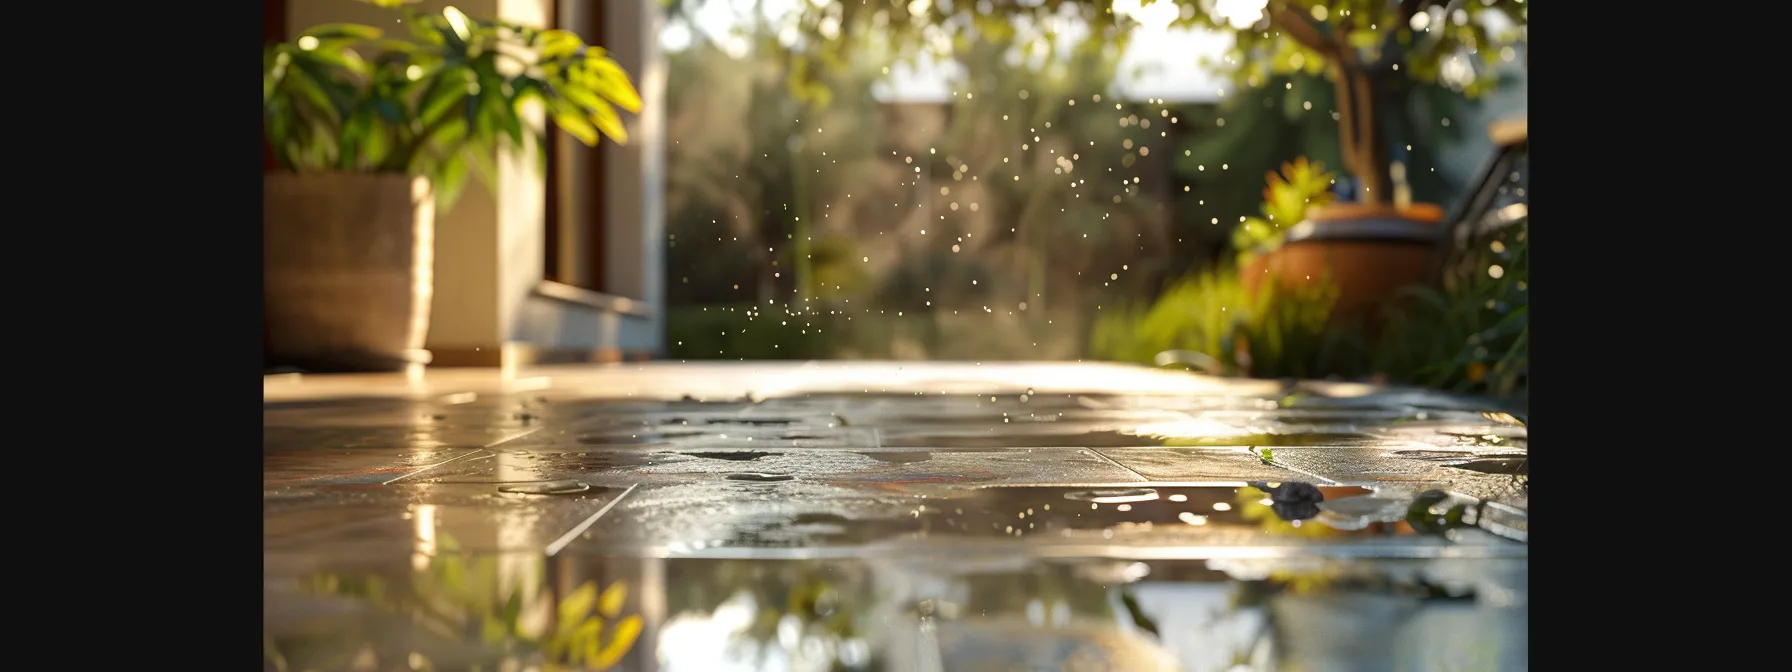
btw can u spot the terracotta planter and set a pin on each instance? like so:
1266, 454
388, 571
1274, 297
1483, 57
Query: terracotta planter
348, 265
1369, 252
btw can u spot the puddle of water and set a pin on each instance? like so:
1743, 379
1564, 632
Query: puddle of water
1054, 513
1288, 439
939, 518
1018, 614
731, 455
900, 456
600, 460
635, 437
1510, 465
999, 435
1113, 496
545, 488
760, 477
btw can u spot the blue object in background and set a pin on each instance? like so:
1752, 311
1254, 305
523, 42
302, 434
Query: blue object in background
1344, 189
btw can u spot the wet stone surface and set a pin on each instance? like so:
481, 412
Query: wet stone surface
997, 526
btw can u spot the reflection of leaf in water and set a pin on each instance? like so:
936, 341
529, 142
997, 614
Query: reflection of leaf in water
455, 595
824, 600
492, 630
610, 604
1301, 583
621, 640
513, 610
578, 637
578, 605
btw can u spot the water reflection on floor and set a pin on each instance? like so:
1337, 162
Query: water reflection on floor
1000, 527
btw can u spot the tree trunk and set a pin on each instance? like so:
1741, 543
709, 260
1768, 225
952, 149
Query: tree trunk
1360, 135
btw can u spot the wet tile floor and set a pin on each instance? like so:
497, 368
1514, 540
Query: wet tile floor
887, 517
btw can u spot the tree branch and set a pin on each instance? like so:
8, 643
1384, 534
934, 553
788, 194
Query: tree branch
1304, 32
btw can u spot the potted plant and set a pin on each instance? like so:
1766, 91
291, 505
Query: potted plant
1377, 240
1367, 258
373, 136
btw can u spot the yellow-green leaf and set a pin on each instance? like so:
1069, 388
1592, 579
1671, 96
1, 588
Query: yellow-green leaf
556, 44
458, 21
610, 81
343, 31
575, 123
621, 641
607, 121
493, 630
610, 603
579, 95
581, 644
578, 605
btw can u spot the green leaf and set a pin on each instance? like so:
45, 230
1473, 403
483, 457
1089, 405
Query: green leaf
458, 22
446, 92
607, 121
570, 119
449, 178
513, 608
343, 31
608, 80
426, 31
399, 46
305, 89
377, 144
579, 95
558, 44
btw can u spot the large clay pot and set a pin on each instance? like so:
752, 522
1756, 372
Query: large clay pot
348, 263
1369, 252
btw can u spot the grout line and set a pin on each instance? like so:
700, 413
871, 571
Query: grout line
561, 543
1278, 464
1117, 463
456, 458
465, 455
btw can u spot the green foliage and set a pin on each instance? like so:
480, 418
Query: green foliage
1365, 49
838, 273
1471, 335
1453, 42
744, 331
1299, 187
1279, 332
1307, 36
346, 98
456, 594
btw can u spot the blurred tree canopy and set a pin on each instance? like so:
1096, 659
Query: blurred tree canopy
1367, 49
